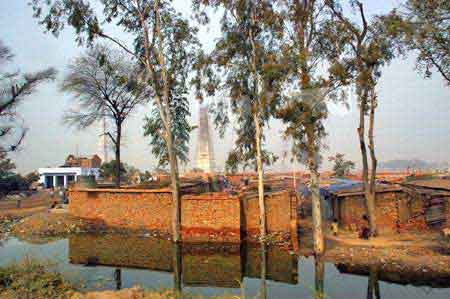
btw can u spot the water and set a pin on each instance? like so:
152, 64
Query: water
113, 261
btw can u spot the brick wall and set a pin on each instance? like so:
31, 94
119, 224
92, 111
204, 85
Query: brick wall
129, 209
210, 217
390, 206
216, 217
280, 213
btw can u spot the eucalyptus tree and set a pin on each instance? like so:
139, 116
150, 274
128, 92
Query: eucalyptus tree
14, 88
306, 47
104, 86
424, 27
366, 48
247, 59
163, 44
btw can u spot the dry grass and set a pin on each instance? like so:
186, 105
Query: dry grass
31, 279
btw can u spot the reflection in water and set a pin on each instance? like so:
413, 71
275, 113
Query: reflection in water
177, 266
118, 278
263, 271
182, 267
415, 277
319, 277
373, 287
191, 264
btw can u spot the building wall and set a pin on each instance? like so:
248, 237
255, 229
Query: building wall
280, 213
210, 216
126, 209
216, 217
393, 212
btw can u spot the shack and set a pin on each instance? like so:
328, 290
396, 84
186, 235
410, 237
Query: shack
429, 202
349, 207
410, 206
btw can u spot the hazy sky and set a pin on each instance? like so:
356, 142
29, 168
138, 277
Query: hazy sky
412, 121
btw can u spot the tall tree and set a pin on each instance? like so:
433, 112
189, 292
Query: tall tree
14, 88
424, 26
305, 46
163, 44
246, 57
104, 85
366, 50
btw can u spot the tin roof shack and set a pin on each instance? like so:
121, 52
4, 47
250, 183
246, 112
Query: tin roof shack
429, 203
348, 206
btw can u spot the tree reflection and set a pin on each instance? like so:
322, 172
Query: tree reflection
118, 278
319, 272
373, 287
263, 292
177, 288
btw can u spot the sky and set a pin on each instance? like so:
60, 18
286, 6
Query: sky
412, 120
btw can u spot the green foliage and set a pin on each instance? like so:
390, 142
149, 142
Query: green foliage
108, 170
181, 130
423, 26
244, 68
9, 180
341, 167
304, 107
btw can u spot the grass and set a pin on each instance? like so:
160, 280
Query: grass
32, 279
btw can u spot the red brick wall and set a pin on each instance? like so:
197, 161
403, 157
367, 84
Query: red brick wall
129, 209
212, 216
280, 210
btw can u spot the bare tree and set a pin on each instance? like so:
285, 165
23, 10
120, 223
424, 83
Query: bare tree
103, 84
14, 87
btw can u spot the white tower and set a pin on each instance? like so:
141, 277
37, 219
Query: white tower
103, 145
205, 152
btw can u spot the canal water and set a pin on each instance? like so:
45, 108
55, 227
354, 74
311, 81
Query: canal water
101, 262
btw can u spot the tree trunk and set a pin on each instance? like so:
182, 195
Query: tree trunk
372, 182
258, 129
174, 177
117, 149
259, 162
370, 200
166, 117
319, 246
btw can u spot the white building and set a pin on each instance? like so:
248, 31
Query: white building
62, 176
73, 168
